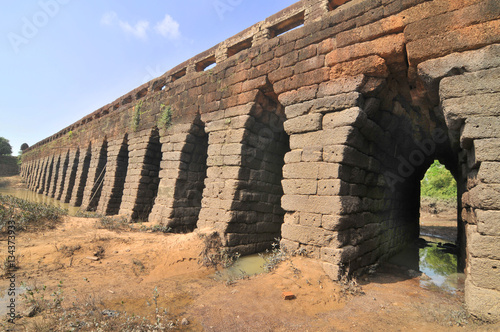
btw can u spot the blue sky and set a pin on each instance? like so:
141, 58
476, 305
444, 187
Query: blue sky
62, 59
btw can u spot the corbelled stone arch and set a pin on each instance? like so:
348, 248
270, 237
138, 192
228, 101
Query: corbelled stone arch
69, 183
242, 194
258, 216
81, 175
467, 86
114, 180
182, 176
358, 153
96, 176
63, 173
142, 178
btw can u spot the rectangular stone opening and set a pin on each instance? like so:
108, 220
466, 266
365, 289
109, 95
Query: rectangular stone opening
333, 4
238, 47
142, 93
179, 74
289, 24
206, 64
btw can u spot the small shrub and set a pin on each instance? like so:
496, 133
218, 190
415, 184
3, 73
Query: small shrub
165, 120
136, 118
214, 255
113, 224
27, 215
69, 251
87, 214
273, 257
349, 285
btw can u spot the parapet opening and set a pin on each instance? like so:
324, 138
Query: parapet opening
179, 74
127, 100
238, 47
122, 161
333, 4
206, 64
159, 85
142, 93
289, 24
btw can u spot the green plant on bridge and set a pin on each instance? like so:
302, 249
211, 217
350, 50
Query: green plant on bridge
165, 120
136, 118
70, 134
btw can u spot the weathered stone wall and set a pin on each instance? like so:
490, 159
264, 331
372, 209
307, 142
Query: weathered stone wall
318, 135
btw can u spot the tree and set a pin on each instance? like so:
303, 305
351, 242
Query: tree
438, 182
24, 146
5, 147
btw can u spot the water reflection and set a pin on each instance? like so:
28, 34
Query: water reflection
437, 260
31, 196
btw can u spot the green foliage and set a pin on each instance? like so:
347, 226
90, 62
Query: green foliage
136, 119
70, 134
27, 215
165, 120
438, 183
5, 147
273, 257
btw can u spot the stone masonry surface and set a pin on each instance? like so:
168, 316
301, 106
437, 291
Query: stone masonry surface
317, 135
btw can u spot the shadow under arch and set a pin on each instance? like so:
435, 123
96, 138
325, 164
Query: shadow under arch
257, 215
189, 185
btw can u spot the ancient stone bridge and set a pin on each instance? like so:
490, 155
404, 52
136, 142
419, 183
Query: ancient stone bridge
315, 126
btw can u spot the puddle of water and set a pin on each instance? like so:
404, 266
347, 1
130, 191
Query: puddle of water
436, 260
33, 197
245, 266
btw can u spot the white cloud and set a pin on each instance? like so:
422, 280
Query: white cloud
168, 28
139, 29
109, 18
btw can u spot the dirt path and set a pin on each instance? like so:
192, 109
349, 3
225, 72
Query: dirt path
132, 265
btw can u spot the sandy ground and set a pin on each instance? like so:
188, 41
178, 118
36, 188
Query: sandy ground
133, 264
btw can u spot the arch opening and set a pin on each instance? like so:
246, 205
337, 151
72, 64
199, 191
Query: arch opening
122, 161
100, 172
257, 212
68, 191
148, 186
191, 181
